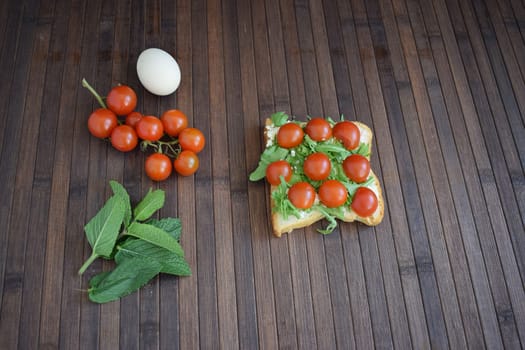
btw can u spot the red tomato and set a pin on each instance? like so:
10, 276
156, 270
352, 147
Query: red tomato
192, 139
364, 202
319, 129
174, 122
102, 122
133, 118
332, 193
317, 166
158, 167
356, 167
149, 128
186, 163
302, 195
124, 138
122, 100
348, 133
277, 169
290, 135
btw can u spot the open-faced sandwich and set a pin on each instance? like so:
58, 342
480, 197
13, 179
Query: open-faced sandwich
319, 169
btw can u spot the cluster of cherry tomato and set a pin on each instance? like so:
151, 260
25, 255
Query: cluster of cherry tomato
317, 167
169, 135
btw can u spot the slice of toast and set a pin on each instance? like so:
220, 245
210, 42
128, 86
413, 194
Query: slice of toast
281, 225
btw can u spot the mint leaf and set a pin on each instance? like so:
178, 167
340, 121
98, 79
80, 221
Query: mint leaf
270, 155
120, 191
279, 118
126, 278
103, 229
156, 236
152, 201
170, 262
173, 226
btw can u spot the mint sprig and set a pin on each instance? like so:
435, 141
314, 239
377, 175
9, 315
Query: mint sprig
141, 246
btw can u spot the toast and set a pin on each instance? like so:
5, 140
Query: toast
302, 218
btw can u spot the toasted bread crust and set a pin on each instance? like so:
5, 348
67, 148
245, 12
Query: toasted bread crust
281, 225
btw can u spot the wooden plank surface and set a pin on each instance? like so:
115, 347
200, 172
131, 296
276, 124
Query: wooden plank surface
440, 82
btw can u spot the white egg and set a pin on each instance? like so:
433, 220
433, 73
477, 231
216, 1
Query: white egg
158, 72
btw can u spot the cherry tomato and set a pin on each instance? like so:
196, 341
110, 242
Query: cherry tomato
364, 202
186, 163
133, 118
124, 138
317, 166
318, 129
302, 195
356, 167
102, 122
158, 167
192, 139
332, 193
174, 122
348, 133
122, 100
277, 169
149, 128
290, 135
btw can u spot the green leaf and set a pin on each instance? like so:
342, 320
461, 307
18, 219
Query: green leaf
330, 214
125, 279
153, 201
279, 118
270, 155
156, 236
170, 262
120, 191
95, 280
103, 229
173, 226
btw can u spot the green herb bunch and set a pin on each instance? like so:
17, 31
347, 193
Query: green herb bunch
141, 246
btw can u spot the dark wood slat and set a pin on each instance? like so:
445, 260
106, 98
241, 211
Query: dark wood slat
226, 292
258, 195
54, 263
169, 301
188, 308
490, 130
435, 86
13, 253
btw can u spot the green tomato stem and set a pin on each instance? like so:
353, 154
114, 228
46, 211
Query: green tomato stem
94, 93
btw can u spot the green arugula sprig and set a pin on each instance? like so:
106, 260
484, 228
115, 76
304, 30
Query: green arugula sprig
141, 246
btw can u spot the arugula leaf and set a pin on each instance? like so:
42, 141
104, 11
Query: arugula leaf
169, 262
156, 236
103, 229
282, 203
126, 278
153, 201
270, 155
279, 118
330, 214
120, 191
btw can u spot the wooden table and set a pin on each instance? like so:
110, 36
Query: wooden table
441, 84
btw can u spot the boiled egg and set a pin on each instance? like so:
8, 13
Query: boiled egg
158, 71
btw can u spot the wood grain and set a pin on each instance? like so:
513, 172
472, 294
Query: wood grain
440, 82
